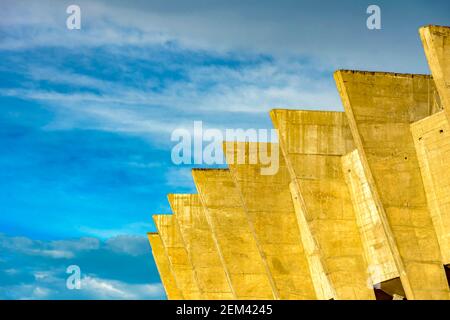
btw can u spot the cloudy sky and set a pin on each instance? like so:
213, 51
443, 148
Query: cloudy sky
86, 115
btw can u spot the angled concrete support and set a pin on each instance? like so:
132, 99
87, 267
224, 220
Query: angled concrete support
179, 260
436, 42
268, 203
164, 268
379, 256
241, 254
313, 144
380, 108
212, 278
432, 140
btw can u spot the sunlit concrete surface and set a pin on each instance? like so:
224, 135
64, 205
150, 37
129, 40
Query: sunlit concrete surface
268, 204
164, 268
242, 256
358, 209
212, 279
380, 108
377, 251
176, 252
432, 140
436, 42
313, 144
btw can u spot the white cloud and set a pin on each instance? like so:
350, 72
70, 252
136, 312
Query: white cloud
56, 254
92, 287
99, 288
24, 277
63, 249
249, 90
131, 229
81, 244
334, 33
128, 244
12, 271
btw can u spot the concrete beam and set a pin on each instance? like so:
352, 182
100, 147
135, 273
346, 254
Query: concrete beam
380, 108
241, 254
211, 276
268, 204
379, 256
179, 260
432, 140
164, 268
436, 42
312, 144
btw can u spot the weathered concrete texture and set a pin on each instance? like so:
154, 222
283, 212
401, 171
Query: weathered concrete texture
164, 268
436, 42
312, 144
175, 249
380, 108
196, 233
268, 204
242, 257
432, 140
378, 254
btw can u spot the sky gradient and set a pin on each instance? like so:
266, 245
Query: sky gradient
86, 115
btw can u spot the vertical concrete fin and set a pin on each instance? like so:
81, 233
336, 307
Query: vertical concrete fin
436, 42
380, 108
234, 237
432, 140
313, 143
378, 254
164, 269
200, 246
268, 205
176, 252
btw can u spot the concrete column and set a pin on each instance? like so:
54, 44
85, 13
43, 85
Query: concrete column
164, 268
432, 140
197, 236
240, 252
312, 144
176, 252
436, 42
379, 256
268, 204
380, 108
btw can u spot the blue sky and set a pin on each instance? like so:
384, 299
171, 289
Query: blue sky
86, 115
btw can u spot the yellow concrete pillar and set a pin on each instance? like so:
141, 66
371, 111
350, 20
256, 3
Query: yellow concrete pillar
164, 268
179, 260
379, 256
240, 253
268, 204
197, 237
431, 136
312, 144
380, 108
436, 42
432, 140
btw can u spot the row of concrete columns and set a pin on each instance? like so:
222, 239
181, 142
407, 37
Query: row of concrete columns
360, 203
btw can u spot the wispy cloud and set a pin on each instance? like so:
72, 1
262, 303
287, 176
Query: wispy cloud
202, 94
62, 249
335, 36
87, 114
45, 278
99, 288
131, 230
